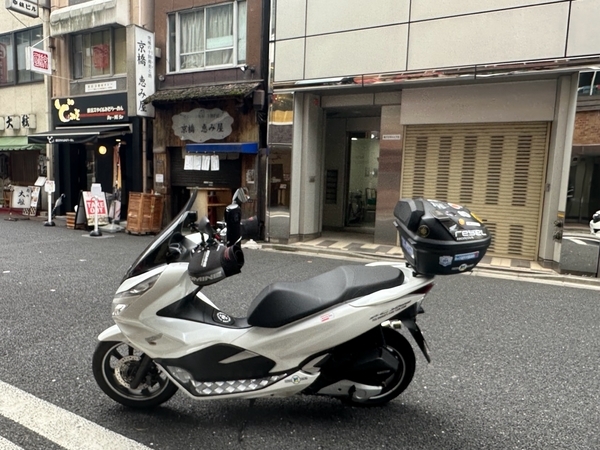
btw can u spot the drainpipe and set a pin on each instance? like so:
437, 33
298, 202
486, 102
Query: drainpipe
49, 46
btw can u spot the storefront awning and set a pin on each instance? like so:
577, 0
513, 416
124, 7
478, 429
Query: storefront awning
77, 135
87, 15
200, 92
249, 148
8, 143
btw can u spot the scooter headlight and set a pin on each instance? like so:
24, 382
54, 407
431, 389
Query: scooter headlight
119, 308
139, 288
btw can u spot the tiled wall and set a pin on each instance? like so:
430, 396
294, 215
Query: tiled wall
27, 98
587, 128
317, 39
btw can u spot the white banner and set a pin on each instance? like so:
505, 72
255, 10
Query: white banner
144, 71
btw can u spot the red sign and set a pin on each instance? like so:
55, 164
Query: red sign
100, 56
40, 61
92, 205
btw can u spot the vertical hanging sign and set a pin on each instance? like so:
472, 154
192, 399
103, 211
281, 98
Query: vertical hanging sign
144, 71
39, 61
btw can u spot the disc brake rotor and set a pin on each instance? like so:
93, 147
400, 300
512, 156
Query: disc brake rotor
124, 371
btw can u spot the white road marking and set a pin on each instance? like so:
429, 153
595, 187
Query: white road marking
577, 241
58, 425
7, 445
583, 239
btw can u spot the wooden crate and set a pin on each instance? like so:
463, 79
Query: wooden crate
144, 213
71, 220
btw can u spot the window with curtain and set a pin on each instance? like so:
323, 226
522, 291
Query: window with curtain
99, 54
13, 56
207, 38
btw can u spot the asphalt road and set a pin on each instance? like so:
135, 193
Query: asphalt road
515, 364
579, 254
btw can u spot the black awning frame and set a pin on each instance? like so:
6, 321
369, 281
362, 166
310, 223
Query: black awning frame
78, 135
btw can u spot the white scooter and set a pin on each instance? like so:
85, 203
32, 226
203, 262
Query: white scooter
332, 335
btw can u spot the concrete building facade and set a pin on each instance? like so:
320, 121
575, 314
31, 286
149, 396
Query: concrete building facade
465, 101
103, 56
23, 109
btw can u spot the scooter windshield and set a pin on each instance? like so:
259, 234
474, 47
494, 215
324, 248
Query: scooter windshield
156, 253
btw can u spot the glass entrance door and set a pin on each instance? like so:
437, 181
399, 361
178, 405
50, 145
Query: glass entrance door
278, 194
362, 181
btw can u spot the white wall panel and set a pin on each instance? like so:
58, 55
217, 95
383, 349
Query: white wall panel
498, 102
434, 9
357, 52
341, 15
512, 35
333, 101
290, 18
584, 38
289, 60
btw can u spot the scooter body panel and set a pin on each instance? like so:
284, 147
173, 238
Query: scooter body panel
287, 346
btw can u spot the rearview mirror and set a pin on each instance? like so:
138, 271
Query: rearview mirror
241, 195
205, 227
192, 217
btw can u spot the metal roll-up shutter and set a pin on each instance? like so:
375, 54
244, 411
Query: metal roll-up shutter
496, 170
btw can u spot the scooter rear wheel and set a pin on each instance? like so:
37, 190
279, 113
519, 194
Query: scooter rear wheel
115, 364
396, 382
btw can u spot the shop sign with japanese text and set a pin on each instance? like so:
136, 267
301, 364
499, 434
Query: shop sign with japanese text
90, 109
101, 86
26, 7
144, 71
17, 122
200, 125
39, 61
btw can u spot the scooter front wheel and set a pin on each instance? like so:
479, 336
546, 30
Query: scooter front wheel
115, 365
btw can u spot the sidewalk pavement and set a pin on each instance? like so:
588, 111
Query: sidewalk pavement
354, 245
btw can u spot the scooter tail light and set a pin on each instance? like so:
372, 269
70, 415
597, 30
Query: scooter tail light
424, 290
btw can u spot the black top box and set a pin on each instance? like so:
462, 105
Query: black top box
440, 238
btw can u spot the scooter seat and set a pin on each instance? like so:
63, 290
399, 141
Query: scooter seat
283, 302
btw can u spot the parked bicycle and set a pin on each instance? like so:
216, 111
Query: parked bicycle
356, 208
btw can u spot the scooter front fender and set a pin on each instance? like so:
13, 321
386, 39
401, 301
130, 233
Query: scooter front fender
112, 334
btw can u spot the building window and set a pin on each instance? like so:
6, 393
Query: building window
99, 54
13, 56
589, 84
207, 38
